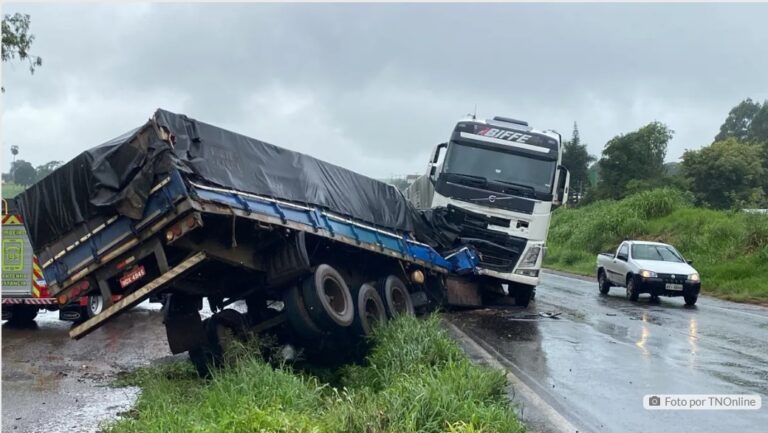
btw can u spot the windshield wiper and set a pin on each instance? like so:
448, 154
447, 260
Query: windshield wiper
469, 177
518, 185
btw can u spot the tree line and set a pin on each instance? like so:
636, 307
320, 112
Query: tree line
728, 173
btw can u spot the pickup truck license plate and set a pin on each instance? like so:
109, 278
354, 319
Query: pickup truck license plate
132, 276
677, 287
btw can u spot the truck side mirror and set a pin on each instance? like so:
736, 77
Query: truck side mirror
563, 186
435, 157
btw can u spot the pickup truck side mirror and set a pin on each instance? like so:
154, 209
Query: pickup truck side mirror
690, 262
562, 188
622, 257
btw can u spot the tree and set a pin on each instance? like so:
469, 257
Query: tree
726, 174
46, 169
17, 41
739, 120
23, 173
758, 127
638, 155
576, 159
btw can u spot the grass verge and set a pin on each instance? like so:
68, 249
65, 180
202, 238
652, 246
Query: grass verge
729, 249
415, 379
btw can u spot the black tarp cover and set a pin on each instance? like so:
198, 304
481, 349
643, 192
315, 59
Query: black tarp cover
116, 177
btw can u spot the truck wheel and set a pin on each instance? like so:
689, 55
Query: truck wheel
225, 331
23, 314
603, 284
328, 299
202, 357
523, 295
632, 292
95, 306
370, 310
690, 300
297, 314
397, 299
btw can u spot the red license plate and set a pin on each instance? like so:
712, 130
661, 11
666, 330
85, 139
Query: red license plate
132, 276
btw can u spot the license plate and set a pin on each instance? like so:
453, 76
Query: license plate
677, 287
132, 276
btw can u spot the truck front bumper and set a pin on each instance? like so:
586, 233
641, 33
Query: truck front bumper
512, 277
658, 287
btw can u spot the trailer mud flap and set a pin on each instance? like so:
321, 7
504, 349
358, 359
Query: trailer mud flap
462, 293
136, 297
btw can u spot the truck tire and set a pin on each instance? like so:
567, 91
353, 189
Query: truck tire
224, 331
328, 299
369, 310
95, 306
632, 293
23, 314
523, 294
297, 314
202, 357
690, 300
602, 283
396, 297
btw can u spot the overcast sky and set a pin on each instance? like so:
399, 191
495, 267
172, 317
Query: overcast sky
374, 87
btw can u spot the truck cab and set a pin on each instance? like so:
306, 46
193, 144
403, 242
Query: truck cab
499, 180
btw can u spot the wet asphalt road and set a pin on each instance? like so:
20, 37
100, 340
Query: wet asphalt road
593, 364
53, 384
600, 357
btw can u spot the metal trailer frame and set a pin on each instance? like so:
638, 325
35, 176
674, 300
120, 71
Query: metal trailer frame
174, 199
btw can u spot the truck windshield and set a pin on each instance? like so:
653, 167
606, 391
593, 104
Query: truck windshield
501, 166
662, 253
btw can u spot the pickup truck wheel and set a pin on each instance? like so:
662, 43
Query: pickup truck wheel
632, 293
298, 317
690, 300
603, 284
370, 310
328, 299
396, 297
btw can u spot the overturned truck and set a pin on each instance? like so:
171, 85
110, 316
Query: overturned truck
187, 210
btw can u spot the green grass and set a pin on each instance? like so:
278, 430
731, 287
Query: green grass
729, 249
415, 379
10, 190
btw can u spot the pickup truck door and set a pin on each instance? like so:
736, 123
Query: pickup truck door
617, 267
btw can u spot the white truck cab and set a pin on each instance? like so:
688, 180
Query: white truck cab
499, 180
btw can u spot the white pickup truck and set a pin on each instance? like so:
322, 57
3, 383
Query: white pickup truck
648, 267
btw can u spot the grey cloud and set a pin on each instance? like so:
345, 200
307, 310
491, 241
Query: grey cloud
373, 87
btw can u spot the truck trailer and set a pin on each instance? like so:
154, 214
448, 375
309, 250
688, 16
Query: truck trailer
190, 211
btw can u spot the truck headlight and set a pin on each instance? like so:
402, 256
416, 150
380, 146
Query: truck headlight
694, 277
648, 274
531, 257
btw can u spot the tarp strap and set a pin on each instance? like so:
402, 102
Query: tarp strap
242, 202
329, 226
407, 246
280, 212
354, 232
312, 219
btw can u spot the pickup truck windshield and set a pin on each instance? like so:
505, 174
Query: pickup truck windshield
661, 253
501, 166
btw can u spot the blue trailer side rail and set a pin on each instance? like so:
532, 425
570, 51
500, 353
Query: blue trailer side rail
311, 219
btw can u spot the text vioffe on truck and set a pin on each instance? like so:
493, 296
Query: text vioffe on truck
496, 182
